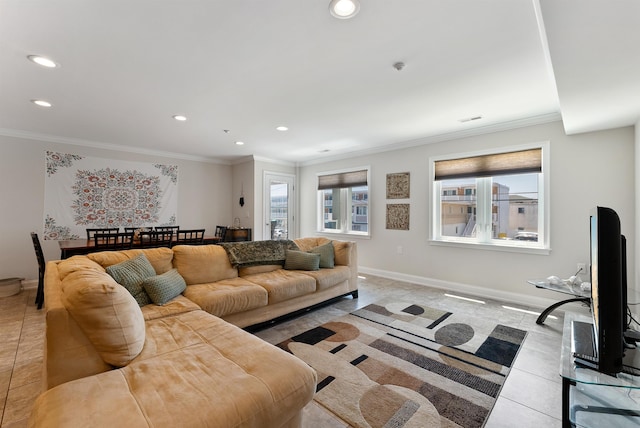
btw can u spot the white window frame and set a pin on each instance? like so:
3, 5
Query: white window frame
345, 206
484, 240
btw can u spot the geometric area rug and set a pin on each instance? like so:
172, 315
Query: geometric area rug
400, 364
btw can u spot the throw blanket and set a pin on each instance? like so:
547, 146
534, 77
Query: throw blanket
254, 253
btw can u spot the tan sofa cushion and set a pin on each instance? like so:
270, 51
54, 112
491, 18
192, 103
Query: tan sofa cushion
76, 264
107, 314
283, 284
250, 270
341, 249
176, 306
160, 258
201, 264
227, 296
327, 278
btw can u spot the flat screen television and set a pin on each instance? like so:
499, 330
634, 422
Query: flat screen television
608, 288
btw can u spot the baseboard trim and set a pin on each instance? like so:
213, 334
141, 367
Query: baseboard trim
29, 284
472, 290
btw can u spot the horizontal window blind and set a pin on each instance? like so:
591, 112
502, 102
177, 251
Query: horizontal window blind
342, 180
519, 162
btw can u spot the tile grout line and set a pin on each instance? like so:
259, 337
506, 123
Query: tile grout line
15, 356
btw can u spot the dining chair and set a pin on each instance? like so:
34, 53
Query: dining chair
220, 232
191, 236
113, 241
133, 229
173, 229
41, 267
156, 238
93, 231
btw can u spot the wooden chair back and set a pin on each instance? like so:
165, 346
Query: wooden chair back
156, 238
220, 231
173, 229
113, 241
191, 237
93, 231
41, 266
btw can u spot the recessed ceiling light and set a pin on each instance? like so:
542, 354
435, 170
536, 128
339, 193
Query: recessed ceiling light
239, 143
282, 128
42, 103
43, 61
180, 117
344, 9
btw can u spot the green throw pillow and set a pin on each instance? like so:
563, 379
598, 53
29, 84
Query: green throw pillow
326, 255
299, 260
162, 288
130, 275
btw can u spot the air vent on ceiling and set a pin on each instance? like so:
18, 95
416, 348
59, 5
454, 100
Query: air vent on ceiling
469, 119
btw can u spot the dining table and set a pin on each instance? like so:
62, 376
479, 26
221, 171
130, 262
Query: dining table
73, 247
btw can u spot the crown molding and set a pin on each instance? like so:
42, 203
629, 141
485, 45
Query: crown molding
481, 130
16, 133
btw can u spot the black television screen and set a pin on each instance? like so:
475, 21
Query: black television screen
607, 282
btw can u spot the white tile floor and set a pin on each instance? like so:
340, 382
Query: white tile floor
531, 395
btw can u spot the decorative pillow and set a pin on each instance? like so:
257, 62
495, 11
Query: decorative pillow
326, 254
130, 275
162, 288
299, 260
106, 313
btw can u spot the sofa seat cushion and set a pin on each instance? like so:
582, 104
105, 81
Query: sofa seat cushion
160, 258
283, 284
226, 378
175, 306
227, 296
201, 264
327, 278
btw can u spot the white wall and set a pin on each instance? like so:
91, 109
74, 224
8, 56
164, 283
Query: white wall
204, 192
586, 170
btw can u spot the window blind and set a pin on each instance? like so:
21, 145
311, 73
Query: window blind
342, 180
519, 162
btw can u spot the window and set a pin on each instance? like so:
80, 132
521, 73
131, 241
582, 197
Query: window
343, 198
501, 197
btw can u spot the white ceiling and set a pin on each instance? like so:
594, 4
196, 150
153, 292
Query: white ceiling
248, 66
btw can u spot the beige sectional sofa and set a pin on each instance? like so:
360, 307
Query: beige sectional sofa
111, 362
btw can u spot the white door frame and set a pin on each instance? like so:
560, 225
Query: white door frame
290, 180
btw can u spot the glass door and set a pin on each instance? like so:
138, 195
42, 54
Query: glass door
279, 206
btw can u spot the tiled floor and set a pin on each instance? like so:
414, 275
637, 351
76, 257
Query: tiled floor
21, 351
531, 395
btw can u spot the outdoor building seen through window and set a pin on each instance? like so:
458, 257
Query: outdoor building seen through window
491, 199
344, 202
514, 207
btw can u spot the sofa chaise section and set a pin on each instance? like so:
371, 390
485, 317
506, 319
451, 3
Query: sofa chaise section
112, 363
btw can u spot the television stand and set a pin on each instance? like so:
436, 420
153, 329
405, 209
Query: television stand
579, 296
632, 335
592, 399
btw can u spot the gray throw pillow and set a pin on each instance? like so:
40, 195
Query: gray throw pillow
162, 288
130, 275
299, 260
326, 255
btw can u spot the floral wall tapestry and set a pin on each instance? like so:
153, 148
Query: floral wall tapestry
85, 192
